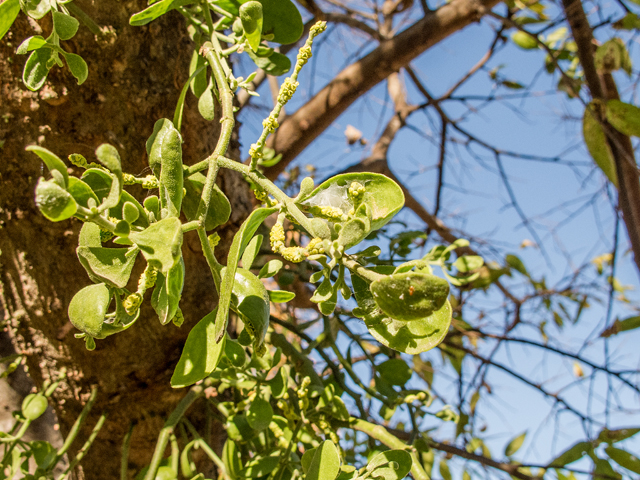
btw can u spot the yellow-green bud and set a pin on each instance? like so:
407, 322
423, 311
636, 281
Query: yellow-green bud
132, 303
315, 246
293, 254
276, 236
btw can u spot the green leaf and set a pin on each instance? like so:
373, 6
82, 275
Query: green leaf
611, 56
156, 10
259, 414
395, 371
198, 66
390, 465
240, 241
219, 207
411, 295
200, 355
275, 64
596, 141
468, 263
325, 464
36, 9
624, 117
77, 66
43, 453
51, 160
618, 326
631, 21
260, 466
524, 40
167, 292
514, 262
281, 296
109, 265
53, 202
36, 68
89, 235
252, 250
64, 25
101, 183
572, 454
603, 469
88, 308
624, 459
270, 268
130, 212
81, 192
31, 43
206, 104
252, 304
234, 352
515, 444
282, 19
412, 337
251, 18
160, 243
382, 195
9, 10
231, 457
613, 436
445, 472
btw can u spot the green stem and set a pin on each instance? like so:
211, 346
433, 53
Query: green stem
18, 435
85, 19
347, 366
124, 461
212, 455
167, 430
85, 448
360, 270
96, 218
267, 185
213, 263
271, 123
381, 434
76, 426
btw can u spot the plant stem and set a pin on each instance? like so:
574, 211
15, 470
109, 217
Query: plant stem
267, 185
360, 270
85, 447
167, 430
212, 455
85, 19
73, 433
124, 462
383, 436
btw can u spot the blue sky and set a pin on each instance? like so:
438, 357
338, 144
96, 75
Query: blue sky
477, 202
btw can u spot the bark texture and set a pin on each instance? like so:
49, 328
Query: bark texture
133, 80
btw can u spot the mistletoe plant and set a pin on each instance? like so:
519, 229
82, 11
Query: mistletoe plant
405, 308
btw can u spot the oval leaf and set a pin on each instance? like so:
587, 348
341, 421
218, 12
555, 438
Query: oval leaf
325, 464
8, 12
200, 355
64, 25
88, 308
596, 141
53, 202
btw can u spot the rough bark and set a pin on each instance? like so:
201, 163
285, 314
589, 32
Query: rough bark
132, 82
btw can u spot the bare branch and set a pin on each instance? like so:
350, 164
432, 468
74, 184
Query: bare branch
305, 125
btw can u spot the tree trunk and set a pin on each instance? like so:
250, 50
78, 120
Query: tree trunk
133, 81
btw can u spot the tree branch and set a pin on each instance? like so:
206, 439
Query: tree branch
626, 169
305, 125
